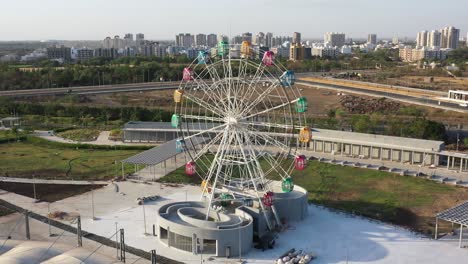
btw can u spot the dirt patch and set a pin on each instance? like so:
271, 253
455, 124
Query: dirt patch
358, 105
47, 192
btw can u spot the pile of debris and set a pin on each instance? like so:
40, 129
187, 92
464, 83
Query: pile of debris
296, 257
358, 105
145, 199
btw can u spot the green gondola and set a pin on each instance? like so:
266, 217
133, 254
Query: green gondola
287, 185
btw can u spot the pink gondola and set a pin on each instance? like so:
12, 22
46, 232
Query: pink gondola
190, 168
268, 58
187, 74
268, 199
300, 162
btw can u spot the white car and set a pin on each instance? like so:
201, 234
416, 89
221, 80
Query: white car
464, 105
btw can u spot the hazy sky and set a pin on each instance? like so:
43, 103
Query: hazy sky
162, 19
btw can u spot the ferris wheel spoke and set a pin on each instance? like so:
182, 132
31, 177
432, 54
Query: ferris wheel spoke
206, 118
250, 91
266, 124
208, 146
271, 109
267, 138
208, 91
261, 97
205, 131
275, 166
203, 104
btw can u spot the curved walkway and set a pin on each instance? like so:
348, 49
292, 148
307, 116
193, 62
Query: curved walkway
103, 139
41, 181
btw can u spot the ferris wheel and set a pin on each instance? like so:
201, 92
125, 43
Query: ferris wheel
241, 121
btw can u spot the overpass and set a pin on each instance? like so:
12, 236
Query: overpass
399, 93
101, 89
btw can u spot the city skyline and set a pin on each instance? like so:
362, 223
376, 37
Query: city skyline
312, 18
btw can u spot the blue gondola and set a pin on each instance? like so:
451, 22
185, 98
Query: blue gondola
203, 57
288, 79
179, 145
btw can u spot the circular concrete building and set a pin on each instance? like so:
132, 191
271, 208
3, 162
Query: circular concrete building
230, 228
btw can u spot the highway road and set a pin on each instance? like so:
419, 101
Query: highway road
92, 89
395, 95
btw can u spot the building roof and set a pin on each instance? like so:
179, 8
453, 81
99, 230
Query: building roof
163, 152
10, 119
457, 214
378, 140
164, 126
390, 142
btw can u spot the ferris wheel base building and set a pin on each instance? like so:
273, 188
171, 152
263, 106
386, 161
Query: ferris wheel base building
230, 228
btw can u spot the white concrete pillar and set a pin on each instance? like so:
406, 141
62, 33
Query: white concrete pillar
448, 162
461, 164
461, 236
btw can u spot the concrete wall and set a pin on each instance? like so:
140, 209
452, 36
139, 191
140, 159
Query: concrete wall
224, 237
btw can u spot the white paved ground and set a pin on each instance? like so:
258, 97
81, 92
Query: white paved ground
334, 237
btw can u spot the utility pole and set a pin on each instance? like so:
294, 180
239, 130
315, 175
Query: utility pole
458, 139
48, 218
116, 241
144, 213
34, 186
92, 203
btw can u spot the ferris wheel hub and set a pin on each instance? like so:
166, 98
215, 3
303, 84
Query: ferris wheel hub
231, 120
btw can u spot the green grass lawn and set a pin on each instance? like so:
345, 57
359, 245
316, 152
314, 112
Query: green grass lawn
402, 200
51, 161
81, 134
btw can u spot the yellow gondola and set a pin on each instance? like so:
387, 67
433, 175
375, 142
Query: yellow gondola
178, 96
206, 187
305, 135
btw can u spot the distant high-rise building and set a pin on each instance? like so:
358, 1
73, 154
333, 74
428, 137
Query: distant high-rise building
296, 52
296, 39
107, 43
147, 50
84, 54
237, 39
372, 39
140, 37
59, 53
259, 39
106, 53
335, 39
224, 38
129, 36
117, 42
185, 40
450, 37
247, 36
211, 40
189, 40
395, 40
200, 40
421, 38
434, 39
160, 51
128, 40
268, 39
325, 51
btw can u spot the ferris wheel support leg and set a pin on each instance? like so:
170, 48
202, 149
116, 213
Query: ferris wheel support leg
221, 154
275, 213
267, 219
